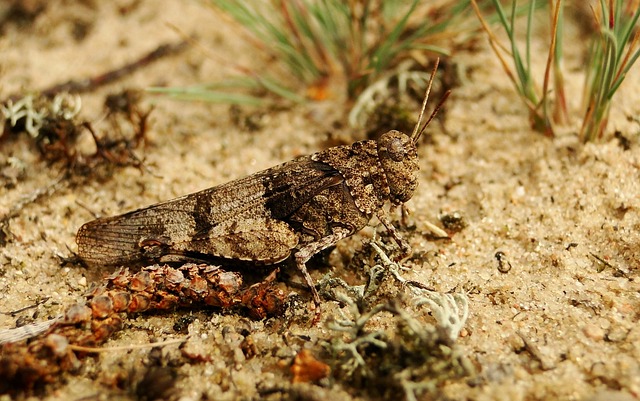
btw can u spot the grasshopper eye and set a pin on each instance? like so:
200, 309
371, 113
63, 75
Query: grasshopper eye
396, 149
399, 159
395, 145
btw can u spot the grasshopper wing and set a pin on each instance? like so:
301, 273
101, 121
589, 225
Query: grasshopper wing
265, 241
244, 219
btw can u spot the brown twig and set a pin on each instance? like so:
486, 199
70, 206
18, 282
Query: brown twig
92, 83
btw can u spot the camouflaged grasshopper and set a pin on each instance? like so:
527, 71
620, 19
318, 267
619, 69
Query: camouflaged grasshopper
297, 208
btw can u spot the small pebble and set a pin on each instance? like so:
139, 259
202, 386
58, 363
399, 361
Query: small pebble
593, 332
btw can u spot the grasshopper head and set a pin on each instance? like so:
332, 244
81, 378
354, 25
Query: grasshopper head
398, 154
399, 158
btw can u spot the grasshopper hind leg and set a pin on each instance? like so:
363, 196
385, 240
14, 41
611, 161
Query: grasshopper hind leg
305, 253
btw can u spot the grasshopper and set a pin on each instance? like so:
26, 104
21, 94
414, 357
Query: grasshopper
294, 210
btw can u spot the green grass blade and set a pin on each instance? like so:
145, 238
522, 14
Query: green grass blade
210, 96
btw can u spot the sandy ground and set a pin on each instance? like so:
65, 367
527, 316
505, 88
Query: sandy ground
560, 324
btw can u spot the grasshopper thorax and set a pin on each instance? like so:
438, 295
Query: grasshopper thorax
399, 159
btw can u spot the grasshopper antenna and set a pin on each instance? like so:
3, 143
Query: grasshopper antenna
417, 131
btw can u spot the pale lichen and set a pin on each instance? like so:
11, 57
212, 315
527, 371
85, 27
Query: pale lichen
33, 111
406, 353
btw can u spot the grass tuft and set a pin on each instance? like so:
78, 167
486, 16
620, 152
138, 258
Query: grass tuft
521, 73
614, 49
328, 49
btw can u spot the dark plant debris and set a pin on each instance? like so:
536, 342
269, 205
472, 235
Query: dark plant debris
58, 132
27, 366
